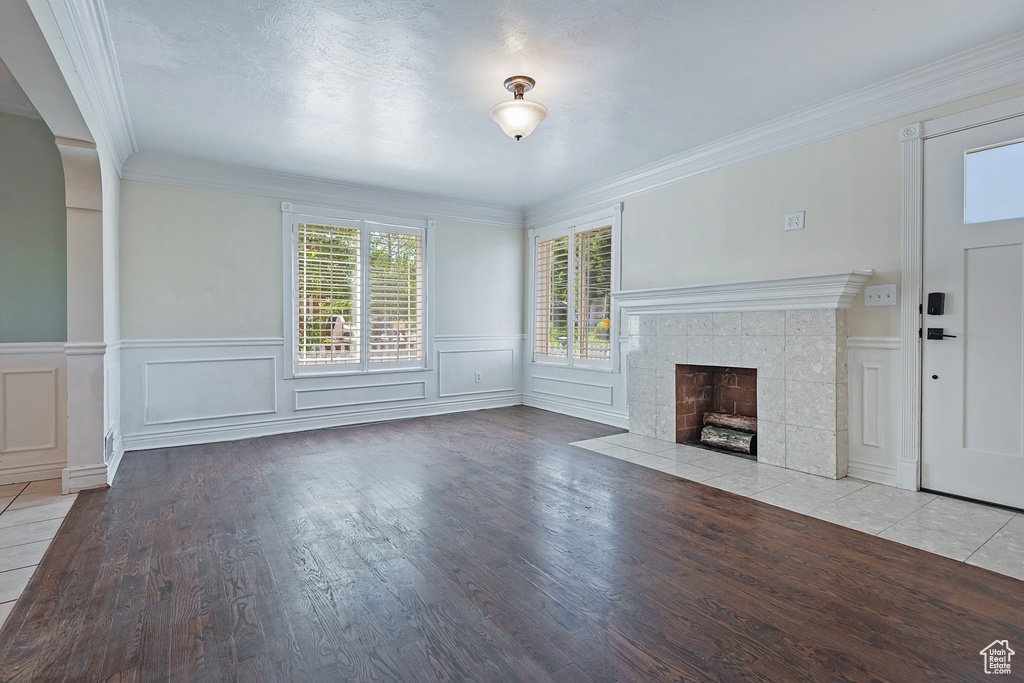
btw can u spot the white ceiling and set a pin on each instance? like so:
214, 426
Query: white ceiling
13, 99
396, 94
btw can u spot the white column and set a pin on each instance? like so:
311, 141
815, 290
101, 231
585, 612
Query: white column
85, 347
908, 466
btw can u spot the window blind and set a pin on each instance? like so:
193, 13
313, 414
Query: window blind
593, 294
395, 297
328, 295
552, 311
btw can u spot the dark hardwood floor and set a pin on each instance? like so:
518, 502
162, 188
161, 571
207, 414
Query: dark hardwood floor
478, 547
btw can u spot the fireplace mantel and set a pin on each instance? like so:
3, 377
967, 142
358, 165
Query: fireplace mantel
790, 330
791, 293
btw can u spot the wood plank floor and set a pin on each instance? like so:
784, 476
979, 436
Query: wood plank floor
478, 547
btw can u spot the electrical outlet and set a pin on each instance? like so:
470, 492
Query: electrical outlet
882, 295
478, 377
795, 220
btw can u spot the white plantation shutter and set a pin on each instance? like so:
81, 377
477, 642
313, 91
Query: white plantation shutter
575, 275
395, 297
329, 294
552, 312
359, 288
593, 294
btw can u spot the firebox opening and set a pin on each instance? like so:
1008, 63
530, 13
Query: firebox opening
716, 407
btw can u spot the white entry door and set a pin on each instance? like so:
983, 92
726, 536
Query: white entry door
972, 438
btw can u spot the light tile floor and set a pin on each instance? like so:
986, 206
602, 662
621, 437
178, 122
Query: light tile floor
978, 534
30, 515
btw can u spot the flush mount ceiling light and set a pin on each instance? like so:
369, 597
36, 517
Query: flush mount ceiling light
518, 118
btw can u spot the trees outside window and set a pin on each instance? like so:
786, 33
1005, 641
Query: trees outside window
574, 277
359, 294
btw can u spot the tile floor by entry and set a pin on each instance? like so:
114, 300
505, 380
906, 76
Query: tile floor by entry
978, 534
30, 515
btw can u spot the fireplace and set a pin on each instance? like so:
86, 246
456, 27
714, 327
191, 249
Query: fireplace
791, 330
717, 396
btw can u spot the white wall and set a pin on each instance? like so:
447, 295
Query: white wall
202, 323
198, 263
201, 278
477, 283
727, 225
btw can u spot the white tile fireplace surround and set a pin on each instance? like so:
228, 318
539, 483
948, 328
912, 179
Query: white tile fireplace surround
791, 330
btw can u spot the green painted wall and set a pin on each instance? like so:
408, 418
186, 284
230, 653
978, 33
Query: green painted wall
33, 227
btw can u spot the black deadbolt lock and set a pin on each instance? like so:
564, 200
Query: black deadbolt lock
936, 303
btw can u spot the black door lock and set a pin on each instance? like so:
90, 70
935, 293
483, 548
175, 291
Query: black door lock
936, 303
939, 333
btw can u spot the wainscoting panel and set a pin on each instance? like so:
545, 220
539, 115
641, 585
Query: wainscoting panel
457, 371
178, 392
209, 389
589, 392
874, 366
340, 397
29, 402
33, 411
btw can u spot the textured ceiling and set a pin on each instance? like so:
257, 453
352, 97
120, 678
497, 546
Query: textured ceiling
13, 99
396, 93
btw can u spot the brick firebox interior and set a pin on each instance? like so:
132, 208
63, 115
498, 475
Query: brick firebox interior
703, 388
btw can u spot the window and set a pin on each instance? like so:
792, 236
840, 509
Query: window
357, 290
575, 273
993, 177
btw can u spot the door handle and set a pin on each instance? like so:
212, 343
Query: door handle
939, 333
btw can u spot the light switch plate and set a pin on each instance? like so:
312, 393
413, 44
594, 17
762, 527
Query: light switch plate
882, 295
795, 220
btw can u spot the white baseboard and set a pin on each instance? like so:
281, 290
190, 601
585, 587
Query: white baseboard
75, 479
33, 472
907, 475
115, 459
608, 417
254, 429
877, 474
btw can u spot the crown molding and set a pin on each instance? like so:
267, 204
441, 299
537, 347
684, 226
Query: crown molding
171, 170
83, 25
988, 67
801, 292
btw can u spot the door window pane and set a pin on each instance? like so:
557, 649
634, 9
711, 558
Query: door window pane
994, 183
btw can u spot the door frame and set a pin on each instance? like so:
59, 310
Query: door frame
912, 138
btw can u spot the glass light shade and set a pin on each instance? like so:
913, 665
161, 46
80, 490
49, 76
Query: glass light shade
518, 118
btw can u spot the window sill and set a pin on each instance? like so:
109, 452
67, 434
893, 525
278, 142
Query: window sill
305, 374
589, 368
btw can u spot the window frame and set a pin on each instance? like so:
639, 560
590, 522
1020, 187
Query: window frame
597, 219
293, 214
